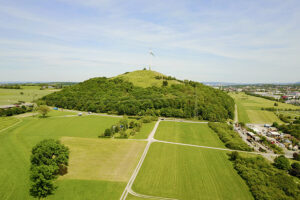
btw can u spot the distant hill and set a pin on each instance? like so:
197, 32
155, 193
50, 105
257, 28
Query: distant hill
143, 93
147, 78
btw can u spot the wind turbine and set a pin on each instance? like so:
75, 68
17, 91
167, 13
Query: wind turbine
152, 56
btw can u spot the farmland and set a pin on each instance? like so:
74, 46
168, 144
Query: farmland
29, 93
189, 173
189, 133
17, 142
249, 109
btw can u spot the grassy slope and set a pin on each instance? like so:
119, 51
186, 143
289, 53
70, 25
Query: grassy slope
249, 109
11, 96
145, 78
17, 142
198, 134
189, 173
145, 131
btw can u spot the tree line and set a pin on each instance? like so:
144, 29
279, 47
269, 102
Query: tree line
118, 96
4, 112
265, 97
10, 86
265, 180
227, 135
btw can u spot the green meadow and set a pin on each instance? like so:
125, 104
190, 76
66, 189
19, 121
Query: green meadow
29, 93
87, 151
145, 131
188, 133
249, 109
186, 173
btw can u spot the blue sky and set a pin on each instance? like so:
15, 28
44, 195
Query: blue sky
203, 40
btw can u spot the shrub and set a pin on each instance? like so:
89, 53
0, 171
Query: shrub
295, 170
281, 162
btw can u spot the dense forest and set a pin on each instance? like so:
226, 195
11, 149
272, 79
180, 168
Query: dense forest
121, 97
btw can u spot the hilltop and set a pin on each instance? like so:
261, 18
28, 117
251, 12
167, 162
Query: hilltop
131, 94
147, 78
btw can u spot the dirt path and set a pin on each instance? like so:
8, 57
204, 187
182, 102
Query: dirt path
236, 117
138, 167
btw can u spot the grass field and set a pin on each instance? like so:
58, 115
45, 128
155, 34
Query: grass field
30, 93
7, 121
16, 144
249, 109
145, 131
115, 160
145, 78
189, 173
88, 189
198, 134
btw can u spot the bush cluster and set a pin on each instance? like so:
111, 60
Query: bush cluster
292, 129
49, 159
229, 136
264, 180
15, 110
125, 128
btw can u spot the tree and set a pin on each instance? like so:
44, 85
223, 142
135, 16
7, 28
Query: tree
165, 83
296, 156
49, 158
275, 104
234, 155
295, 170
107, 132
43, 110
42, 188
281, 162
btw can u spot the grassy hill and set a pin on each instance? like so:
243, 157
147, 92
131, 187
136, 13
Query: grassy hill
147, 78
125, 95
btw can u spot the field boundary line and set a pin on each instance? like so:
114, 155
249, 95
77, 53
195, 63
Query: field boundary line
215, 148
20, 120
148, 196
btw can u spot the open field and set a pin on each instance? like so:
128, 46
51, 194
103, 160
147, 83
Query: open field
30, 93
108, 159
189, 173
145, 131
88, 189
249, 109
188, 133
16, 144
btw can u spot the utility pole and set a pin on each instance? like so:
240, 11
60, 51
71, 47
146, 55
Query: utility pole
196, 102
